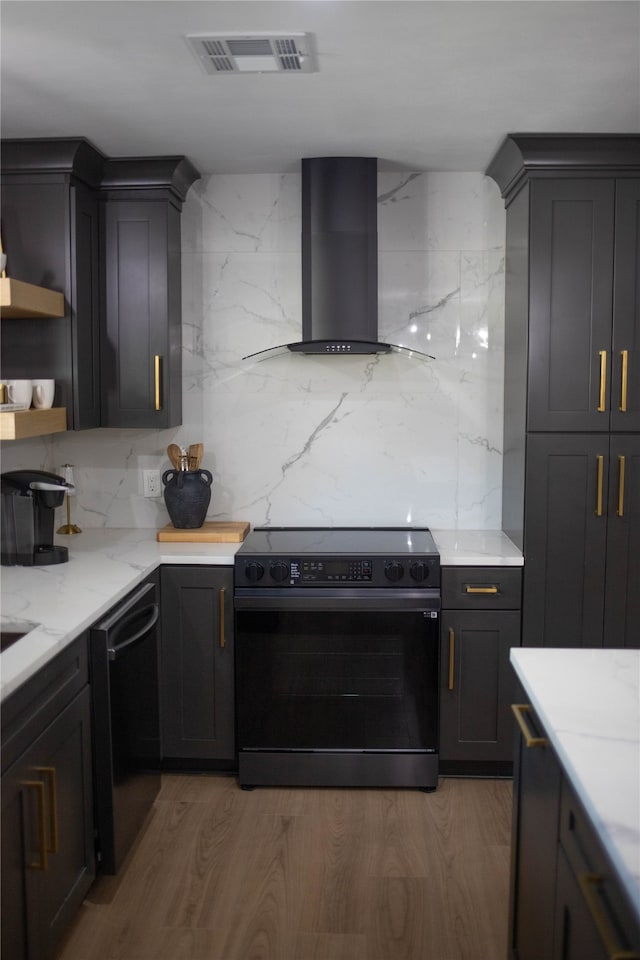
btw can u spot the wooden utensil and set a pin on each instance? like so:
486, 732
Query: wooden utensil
175, 455
194, 455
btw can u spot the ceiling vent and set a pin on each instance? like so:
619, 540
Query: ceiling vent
254, 53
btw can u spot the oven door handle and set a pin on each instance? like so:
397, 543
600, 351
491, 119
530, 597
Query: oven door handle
338, 599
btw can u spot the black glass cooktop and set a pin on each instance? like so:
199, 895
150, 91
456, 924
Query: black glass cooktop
298, 541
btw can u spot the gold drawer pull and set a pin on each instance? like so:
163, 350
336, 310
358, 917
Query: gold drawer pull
222, 637
624, 354
589, 883
599, 482
519, 710
50, 774
157, 378
38, 786
481, 589
602, 406
452, 657
621, 465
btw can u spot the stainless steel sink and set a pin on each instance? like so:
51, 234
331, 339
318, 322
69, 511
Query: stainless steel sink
11, 631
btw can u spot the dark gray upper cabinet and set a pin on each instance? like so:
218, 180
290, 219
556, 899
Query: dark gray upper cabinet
570, 301
50, 233
106, 233
625, 348
141, 334
573, 280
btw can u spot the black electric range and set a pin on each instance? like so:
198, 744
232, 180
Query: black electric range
337, 640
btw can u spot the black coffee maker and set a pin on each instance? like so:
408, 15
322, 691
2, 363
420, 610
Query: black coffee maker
29, 499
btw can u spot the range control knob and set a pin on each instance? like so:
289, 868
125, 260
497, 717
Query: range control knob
279, 570
419, 570
253, 571
393, 570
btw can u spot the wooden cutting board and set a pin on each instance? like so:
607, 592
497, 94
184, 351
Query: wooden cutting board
211, 531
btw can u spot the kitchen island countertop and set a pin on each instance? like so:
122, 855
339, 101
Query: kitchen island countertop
105, 564
588, 701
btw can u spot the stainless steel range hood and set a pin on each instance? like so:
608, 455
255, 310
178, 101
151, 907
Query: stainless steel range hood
339, 261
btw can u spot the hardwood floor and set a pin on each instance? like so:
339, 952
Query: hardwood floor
307, 874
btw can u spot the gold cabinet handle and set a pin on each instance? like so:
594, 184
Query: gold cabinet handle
602, 406
519, 710
50, 774
481, 589
589, 883
157, 377
599, 483
452, 657
624, 377
621, 466
38, 786
221, 634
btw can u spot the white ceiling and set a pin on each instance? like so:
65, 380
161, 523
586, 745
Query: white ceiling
422, 85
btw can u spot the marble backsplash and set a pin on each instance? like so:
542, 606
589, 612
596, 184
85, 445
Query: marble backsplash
380, 439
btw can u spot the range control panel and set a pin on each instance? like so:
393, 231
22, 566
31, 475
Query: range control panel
335, 571
328, 571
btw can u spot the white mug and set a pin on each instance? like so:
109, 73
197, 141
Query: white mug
43, 391
20, 391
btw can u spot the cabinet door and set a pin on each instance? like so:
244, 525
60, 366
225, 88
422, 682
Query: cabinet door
197, 674
570, 306
476, 685
576, 936
622, 608
565, 540
14, 904
85, 307
49, 831
534, 846
625, 355
141, 340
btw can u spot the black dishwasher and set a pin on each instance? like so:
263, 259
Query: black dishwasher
126, 722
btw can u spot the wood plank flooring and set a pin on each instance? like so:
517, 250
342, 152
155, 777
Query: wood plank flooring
307, 874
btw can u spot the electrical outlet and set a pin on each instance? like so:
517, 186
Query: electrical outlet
151, 486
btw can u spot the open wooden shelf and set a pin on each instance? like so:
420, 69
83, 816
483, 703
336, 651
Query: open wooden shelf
18, 424
22, 300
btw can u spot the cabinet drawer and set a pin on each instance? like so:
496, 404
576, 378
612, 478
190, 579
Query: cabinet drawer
28, 711
604, 900
481, 588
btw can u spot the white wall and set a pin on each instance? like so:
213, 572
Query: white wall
330, 440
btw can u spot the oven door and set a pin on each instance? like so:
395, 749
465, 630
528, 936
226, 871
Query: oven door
337, 670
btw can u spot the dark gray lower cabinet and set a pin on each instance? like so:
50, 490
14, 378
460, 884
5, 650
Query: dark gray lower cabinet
480, 623
48, 859
566, 902
534, 846
582, 541
197, 664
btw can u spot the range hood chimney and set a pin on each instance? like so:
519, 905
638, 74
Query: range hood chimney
339, 260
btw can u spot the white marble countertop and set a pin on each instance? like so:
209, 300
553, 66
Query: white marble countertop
105, 564
589, 704
66, 598
476, 548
